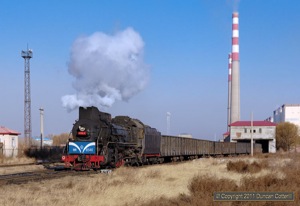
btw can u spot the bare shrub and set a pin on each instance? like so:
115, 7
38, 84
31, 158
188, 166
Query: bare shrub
153, 174
68, 185
286, 135
60, 139
264, 183
238, 166
22, 148
203, 187
206, 185
243, 167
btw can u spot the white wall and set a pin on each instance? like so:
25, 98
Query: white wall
272, 146
259, 132
287, 113
10, 145
292, 115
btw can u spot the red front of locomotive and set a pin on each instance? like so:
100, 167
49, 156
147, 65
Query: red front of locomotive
83, 162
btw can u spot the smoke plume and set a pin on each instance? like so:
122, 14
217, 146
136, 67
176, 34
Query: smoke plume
106, 68
236, 5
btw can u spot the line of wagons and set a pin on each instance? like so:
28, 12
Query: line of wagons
172, 148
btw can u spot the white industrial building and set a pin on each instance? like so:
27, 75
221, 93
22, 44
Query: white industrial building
46, 141
8, 142
287, 113
263, 132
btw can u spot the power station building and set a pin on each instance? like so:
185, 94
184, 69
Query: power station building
287, 113
8, 142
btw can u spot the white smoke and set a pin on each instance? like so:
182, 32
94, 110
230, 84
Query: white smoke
106, 68
234, 4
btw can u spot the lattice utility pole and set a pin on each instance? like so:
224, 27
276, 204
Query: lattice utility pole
27, 99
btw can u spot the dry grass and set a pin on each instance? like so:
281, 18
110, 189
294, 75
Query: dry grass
189, 183
267, 173
19, 160
16, 160
18, 169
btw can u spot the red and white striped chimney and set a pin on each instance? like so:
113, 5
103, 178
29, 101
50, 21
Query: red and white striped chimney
229, 66
229, 90
235, 37
235, 71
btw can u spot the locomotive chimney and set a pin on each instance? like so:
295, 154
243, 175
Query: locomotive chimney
93, 113
235, 76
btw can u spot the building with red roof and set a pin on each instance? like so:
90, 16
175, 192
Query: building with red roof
9, 140
263, 132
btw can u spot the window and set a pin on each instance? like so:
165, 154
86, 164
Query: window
245, 130
13, 143
260, 130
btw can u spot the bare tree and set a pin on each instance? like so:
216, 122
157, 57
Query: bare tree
60, 139
286, 135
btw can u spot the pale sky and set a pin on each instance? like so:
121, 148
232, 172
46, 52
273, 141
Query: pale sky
179, 53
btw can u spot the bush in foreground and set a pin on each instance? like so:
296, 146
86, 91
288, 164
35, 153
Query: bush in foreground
201, 188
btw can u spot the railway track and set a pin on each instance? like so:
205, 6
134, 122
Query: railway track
24, 177
16, 165
52, 172
37, 162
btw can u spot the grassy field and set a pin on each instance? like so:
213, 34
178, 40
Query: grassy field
188, 183
15, 160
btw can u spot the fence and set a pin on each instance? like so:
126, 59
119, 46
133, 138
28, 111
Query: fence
10, 152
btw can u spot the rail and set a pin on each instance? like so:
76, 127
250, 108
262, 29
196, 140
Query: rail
24, 177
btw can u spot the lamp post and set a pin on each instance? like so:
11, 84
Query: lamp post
252, 134
42, 125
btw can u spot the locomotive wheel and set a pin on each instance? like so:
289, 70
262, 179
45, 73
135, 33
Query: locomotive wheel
114, 161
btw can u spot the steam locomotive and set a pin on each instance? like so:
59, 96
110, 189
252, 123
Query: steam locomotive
100, 141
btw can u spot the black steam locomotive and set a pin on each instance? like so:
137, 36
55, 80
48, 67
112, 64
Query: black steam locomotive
99, 141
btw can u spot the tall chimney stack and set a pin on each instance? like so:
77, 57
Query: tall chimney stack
235, 76
229, 90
